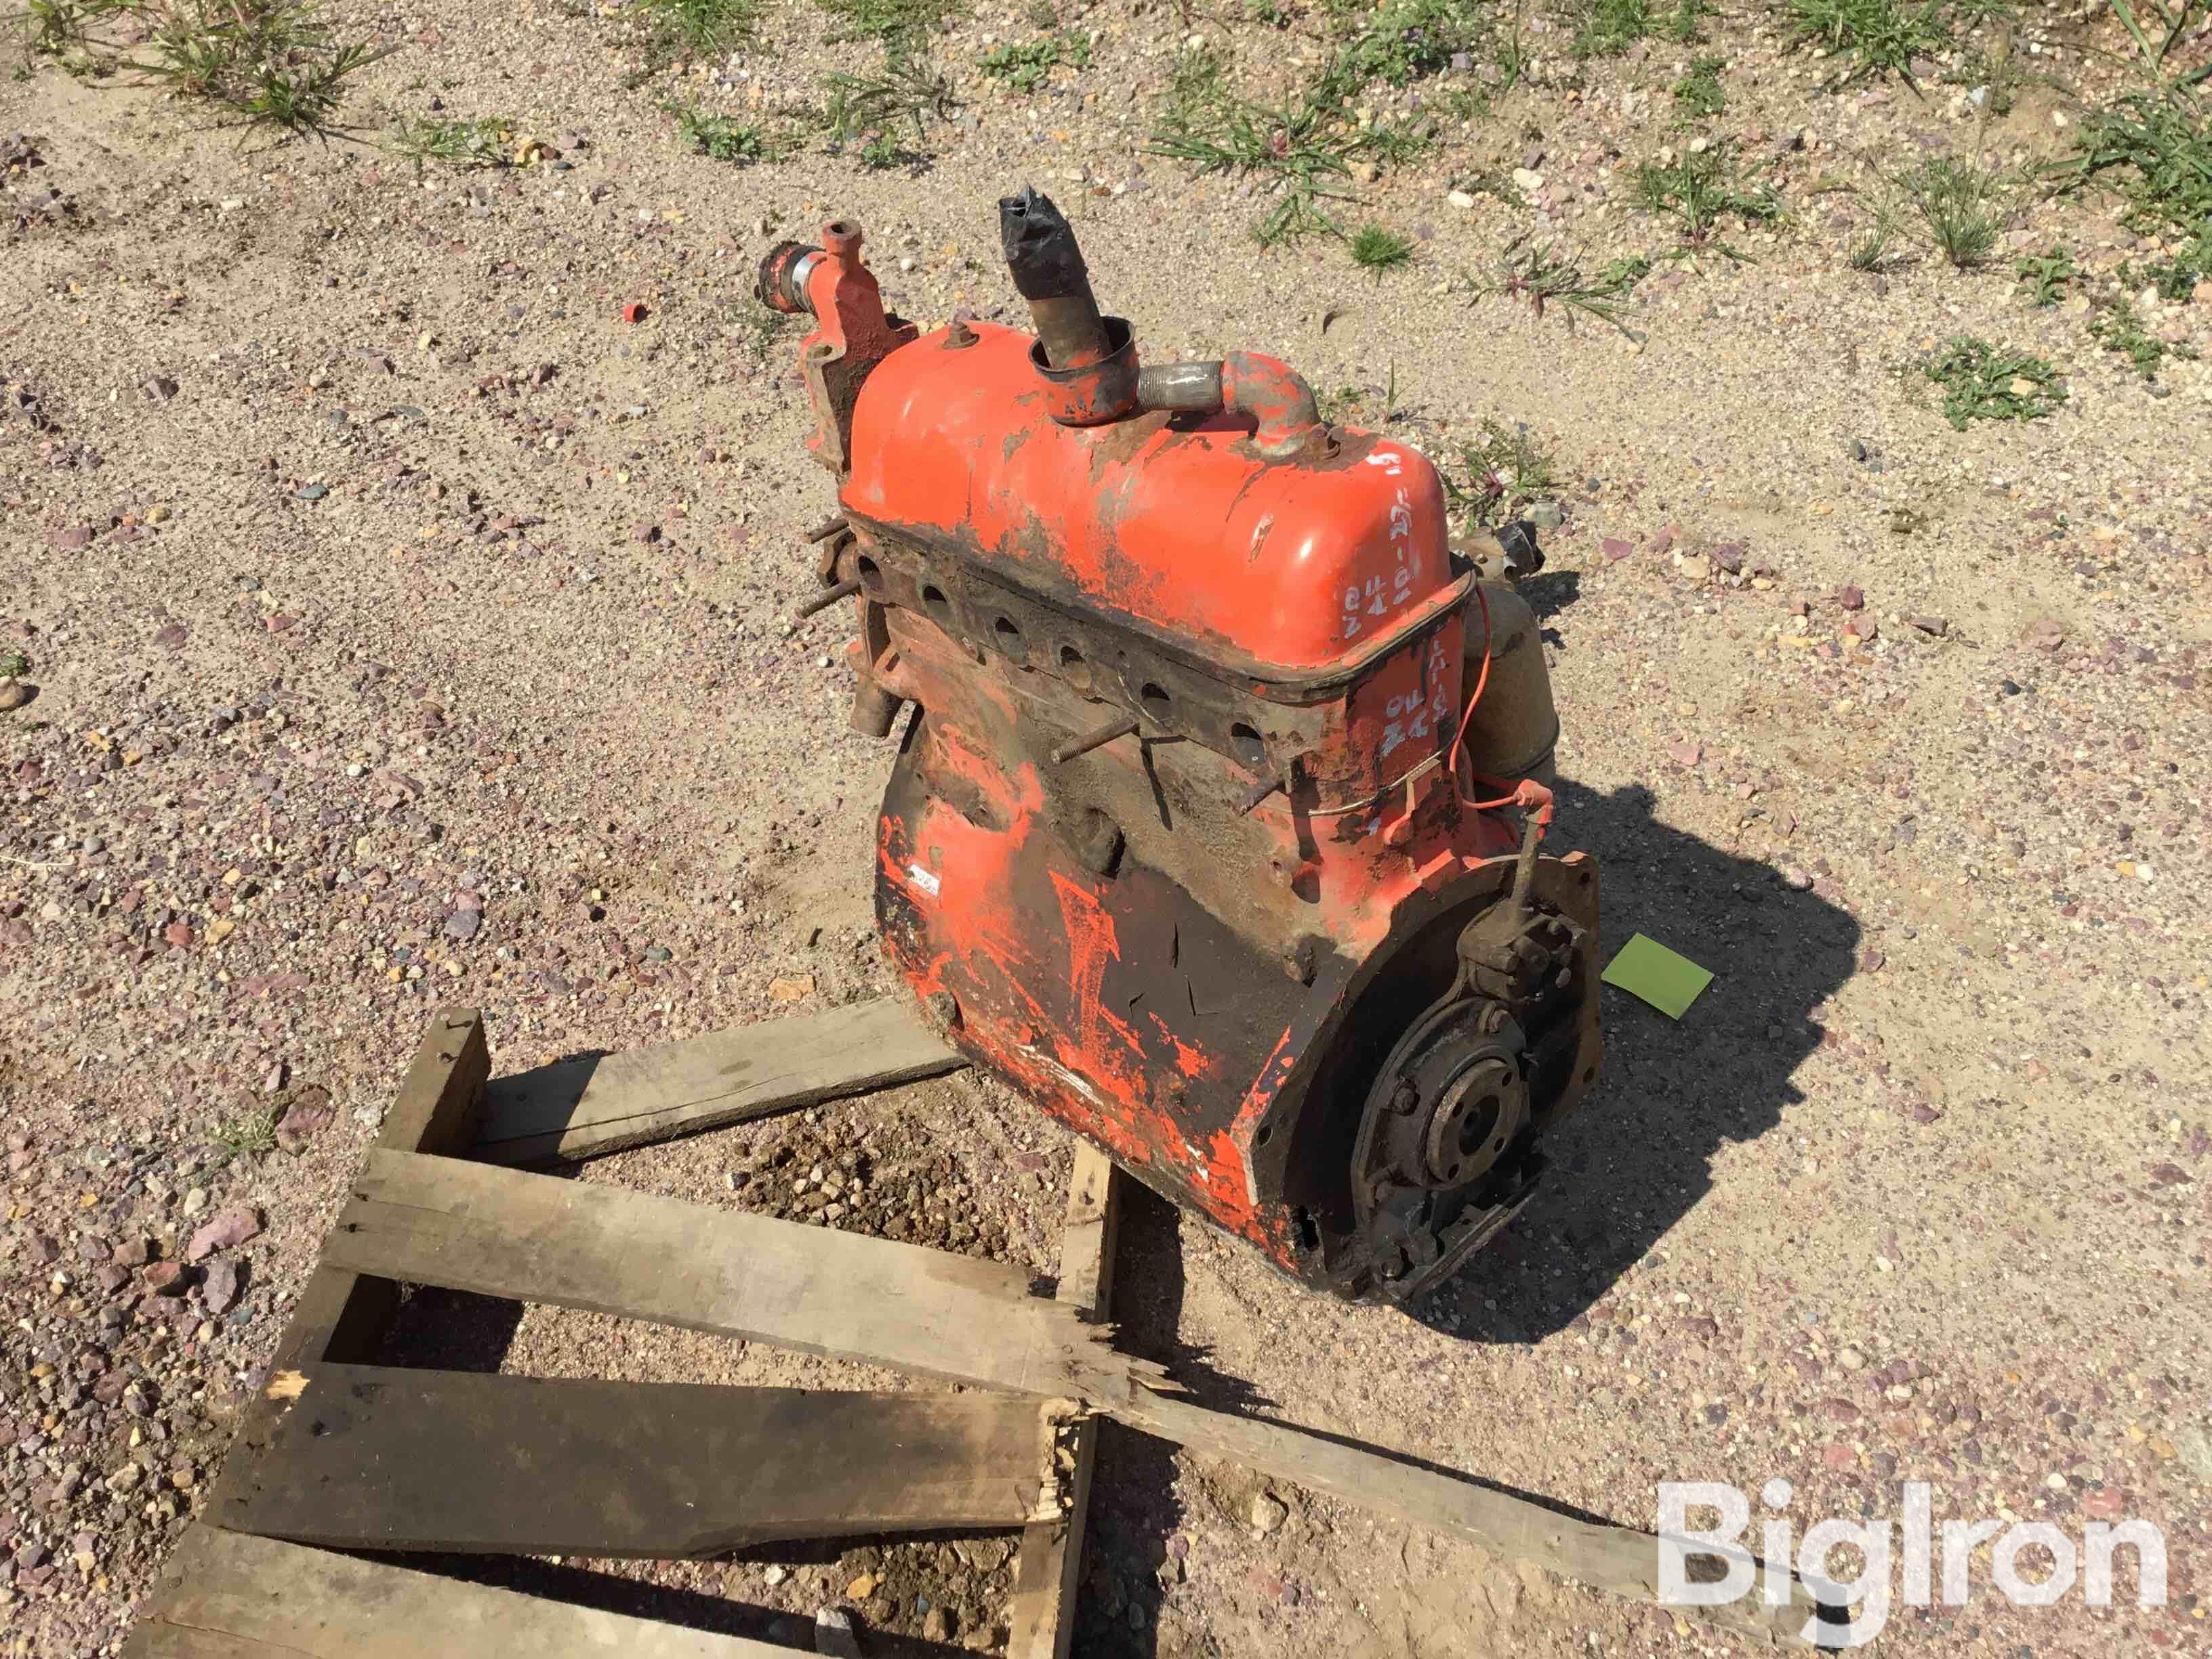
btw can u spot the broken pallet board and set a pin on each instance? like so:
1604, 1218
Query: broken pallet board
602, 1104
370, 1457
1617, 1559
536, 1238
1042, 1621
225, 1595
341, 1316
498, 1232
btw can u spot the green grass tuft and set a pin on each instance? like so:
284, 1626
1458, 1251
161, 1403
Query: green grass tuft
1878, 249
252, 1131
702, 28
1699, 94
2119, 330
1872, 38
903, 26
1375, 250
476, 143
2156, 151
1961, 206
2043, 274
865, 106
1983, 382
719, 137
1500, 474
1700, 189
1028, 66
271, 62
1541, 277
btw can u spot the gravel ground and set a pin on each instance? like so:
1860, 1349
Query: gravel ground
403, 628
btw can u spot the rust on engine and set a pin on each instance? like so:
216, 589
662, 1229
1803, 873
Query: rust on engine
1214, 824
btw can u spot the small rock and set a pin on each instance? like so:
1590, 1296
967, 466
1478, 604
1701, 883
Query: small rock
797, 988
1546, 515
1268, 1513
1872, 963
304, 1116
462, 925
166, 1278
1936, 626
1798, 881
13, 694
1615, 548
1458, 198
71, 537
1850, 598
834, 1633
219, 1286
313, 492
232, 1226
1684, 754
2044, 633
1527, 180
1851, 1359
936, 1626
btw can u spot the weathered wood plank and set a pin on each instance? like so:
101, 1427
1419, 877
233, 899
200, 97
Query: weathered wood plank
441, 1095
538, 1239
1617, 1559
341, 1316
1041, 1618
370, 1457
583, 1108
226, 1595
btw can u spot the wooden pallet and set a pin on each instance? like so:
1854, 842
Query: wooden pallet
339, 1453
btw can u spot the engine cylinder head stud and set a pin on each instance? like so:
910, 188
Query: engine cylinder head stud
1098, 738
826, 597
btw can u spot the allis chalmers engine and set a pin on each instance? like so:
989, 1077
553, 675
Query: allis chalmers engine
1214, 827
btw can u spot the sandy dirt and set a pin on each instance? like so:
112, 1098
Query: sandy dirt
408, 629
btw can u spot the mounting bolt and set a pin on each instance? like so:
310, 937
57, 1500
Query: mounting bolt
959, 337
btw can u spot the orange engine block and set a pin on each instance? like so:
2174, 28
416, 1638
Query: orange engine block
1214, 826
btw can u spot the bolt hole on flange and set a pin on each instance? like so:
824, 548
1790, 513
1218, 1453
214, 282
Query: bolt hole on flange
1074, 670
1157, 702
871, 578
1248, 747
1009, 636
934, 602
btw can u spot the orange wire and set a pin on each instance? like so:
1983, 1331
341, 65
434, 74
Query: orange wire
1528, 794
1481, 681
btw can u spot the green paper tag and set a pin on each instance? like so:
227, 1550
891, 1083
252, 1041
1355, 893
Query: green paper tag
1665, 978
